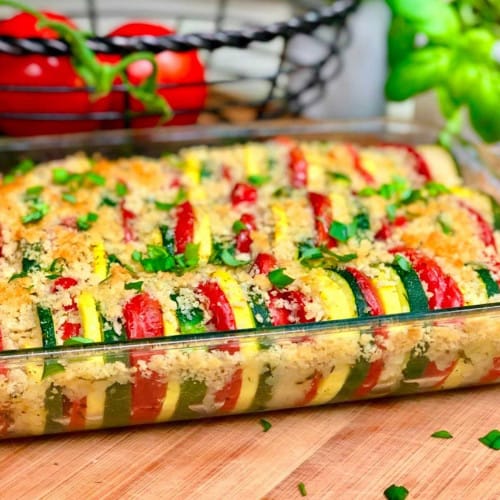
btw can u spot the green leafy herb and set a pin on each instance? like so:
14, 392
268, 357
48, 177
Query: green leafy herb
313, 256
283, 192
435, 189
205, 171
367, 191
56, 268
362, 221
258, 180
239, 226
441, 435
279, 279
180, 197
33, 193
492, 439
75, 341
38, 210
121, 189
28, 263
227, 256
69, 197
265, 424
157, 259
51, 367
445, 227
134, 285
340, 231
390, 210
402, 262
307, 251
113, 259
60, 176
95, 178
84, 222
396, 492
224, 253
337, 176
22, 168
107, 201
302, 489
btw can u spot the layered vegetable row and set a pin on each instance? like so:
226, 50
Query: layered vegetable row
246, 236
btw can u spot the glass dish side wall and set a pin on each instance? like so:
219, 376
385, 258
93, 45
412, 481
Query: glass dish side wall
69, 389
138, 383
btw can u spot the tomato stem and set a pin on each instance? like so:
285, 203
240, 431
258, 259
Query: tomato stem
100, 76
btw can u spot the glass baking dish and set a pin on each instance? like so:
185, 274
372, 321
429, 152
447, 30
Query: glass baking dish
45, 391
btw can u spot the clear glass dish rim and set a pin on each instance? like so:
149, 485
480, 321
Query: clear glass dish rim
254, 130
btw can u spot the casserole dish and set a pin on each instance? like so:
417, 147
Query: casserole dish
83, 385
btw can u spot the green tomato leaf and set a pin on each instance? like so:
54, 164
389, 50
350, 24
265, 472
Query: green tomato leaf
435, 18
420, 71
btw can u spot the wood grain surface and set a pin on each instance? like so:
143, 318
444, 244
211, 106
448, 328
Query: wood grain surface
351, 451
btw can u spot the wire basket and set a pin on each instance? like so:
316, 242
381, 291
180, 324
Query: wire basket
250, 73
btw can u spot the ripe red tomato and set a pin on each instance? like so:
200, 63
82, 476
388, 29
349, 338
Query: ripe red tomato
184, 68
41, 71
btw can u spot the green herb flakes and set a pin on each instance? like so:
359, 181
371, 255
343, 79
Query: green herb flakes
445, 227
95, 178
239, 226
337, 176
180, 197
121, 189
390, 210
302, 489
265, 424
60, 176
279, 279
492, 439
396, 492
38, 210
22, 168
442, 435
69, 197
33, 193
134, 285
258, 180
340, 231
84, 222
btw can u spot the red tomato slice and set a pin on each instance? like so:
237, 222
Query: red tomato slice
128, 218
493, 374
218, 305
358, 165
244, 237
144, 319
297, 165
184, 227
485, 231
421, 166
182, 73
243, 193
263, 264
322, 210
386, 231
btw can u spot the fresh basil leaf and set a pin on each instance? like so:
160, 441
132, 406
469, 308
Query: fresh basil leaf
396, 492
492, 439
69, 197
279, 279
121, 189
442, 435
401, 38
239, 226
258, 180
230, 260
418, 72
134, 285
265, 425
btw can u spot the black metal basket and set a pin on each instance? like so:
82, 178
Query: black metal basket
239, 89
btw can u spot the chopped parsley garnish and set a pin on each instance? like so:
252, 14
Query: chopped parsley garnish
239, 226
69, 197
283, 192
435, 189
492, 439
340, 231
179, 198
159, 259
313, 256
134, 285
95, 178
113, 259
258, 180
390, 210
302, 489
62, 177
84, 222
224, 253
279, 279
265, 424
205, 171
442, 435
33, 193
402, 262
56, 268
22, 168
74, 341
38, 210
28, 263
51, 367
121, 189
445, 227
337, 176
107, 201
396, 492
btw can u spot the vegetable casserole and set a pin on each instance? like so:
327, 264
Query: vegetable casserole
244, 236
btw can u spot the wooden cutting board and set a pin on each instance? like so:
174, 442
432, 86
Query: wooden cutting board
351, 451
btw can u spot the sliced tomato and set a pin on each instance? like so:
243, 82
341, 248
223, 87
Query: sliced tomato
484, 229
144, 319
218, 305
263, 264
323, 218
368, 290
386, 231
421, 166
444, 289
69, 329
243, 193
297, 166
358, 165
75, 411
440, 375
184, 226
128, 218
293, 312
493, 374
228, 396
244, 237
312, 391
